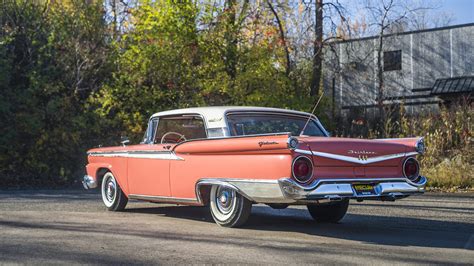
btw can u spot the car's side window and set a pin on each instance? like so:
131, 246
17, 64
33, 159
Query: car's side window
175, 129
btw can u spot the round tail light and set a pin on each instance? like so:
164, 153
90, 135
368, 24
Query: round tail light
411, 169
302, 169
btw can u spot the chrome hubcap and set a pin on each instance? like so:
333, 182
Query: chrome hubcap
225, 198
110, 189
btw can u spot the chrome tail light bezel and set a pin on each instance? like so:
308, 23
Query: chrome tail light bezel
309, 176
413, 178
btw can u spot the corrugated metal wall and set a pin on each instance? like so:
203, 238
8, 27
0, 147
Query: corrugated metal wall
350, 74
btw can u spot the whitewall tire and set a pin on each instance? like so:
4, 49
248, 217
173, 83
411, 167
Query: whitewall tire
228, 207
112, 195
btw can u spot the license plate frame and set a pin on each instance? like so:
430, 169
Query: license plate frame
364, 189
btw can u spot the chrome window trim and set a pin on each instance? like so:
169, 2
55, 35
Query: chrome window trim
356, 159
152, 130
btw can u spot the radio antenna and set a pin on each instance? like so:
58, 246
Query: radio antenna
312, 113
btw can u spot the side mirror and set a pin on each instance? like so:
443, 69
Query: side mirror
124, 140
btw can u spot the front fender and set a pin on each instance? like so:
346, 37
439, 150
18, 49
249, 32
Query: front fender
92, 169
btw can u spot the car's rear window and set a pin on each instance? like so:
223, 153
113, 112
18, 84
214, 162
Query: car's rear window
241, 124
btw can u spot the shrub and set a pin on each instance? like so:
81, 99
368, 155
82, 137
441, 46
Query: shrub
449, 159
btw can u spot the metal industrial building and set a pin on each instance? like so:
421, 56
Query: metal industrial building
421, 69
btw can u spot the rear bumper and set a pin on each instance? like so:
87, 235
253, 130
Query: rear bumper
286, 190
337, 189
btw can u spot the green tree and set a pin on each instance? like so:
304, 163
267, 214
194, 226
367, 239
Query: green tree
51, 62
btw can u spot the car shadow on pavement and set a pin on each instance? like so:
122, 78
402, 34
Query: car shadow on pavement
374, 229
196, 213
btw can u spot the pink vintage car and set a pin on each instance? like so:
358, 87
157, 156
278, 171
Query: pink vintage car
232, 157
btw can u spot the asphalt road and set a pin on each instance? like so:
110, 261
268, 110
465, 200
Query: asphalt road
72, 226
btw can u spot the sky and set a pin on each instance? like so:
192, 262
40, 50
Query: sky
458, 11
461, 10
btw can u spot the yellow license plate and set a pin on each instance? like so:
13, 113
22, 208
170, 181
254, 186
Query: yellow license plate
364, 189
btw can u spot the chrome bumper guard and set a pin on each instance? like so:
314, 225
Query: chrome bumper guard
287, 191
88, 182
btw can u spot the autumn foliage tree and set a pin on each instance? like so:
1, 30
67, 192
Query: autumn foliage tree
77, 74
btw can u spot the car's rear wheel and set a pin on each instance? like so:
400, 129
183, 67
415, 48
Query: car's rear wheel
329, 213
112, 195
228, 207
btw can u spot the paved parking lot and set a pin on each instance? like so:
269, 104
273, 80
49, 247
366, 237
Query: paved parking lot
72, 226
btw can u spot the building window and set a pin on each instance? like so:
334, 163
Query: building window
392, 60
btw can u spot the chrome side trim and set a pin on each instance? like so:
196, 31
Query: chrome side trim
256, 190
287, 190
356, 159
160, 155
161, 199
88, 182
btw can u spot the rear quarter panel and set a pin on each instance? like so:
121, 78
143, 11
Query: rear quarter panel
259, 158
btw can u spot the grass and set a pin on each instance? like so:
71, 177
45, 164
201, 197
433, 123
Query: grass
451, 173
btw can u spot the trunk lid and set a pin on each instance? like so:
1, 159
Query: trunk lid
361, 153
357, 158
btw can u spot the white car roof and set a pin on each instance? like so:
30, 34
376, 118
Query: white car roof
214, 115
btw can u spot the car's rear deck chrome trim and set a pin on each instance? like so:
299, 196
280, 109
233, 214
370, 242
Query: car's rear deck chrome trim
358, 160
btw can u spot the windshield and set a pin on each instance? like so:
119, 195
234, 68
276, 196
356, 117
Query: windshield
254, 124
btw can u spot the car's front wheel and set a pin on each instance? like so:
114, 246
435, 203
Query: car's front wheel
329, 213
112, 195
228, 207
